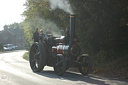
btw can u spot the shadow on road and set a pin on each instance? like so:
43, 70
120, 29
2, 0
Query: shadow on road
11, 51
74, 77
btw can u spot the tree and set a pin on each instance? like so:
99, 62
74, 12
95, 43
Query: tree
99, 21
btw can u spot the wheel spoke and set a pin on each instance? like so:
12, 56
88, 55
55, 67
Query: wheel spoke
37, 50
34, 67
38, 53
32, 53
33, 61
35, 47
59, 63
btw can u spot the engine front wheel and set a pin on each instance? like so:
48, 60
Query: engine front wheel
85, 64
60, 67
37, 57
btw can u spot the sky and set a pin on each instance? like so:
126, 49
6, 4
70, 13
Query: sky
10, 12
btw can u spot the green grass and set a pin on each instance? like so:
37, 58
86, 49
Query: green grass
26, 56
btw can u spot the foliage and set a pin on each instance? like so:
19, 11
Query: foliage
102, 23
1, 47
26, 56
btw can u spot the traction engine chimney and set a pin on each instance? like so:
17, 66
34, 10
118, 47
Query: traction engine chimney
72, 27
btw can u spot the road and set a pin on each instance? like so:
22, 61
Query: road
14, 70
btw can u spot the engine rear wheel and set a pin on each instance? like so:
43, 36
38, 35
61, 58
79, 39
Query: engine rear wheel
60, 67
37, 57
85, 64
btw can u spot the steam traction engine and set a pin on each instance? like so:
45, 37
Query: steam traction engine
60, 53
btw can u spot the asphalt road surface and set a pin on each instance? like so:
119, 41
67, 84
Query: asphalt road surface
14, 70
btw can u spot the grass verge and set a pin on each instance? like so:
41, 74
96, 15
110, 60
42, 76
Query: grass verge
26, 56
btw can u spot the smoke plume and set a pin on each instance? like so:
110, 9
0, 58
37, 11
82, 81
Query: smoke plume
46, 24
61, 4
